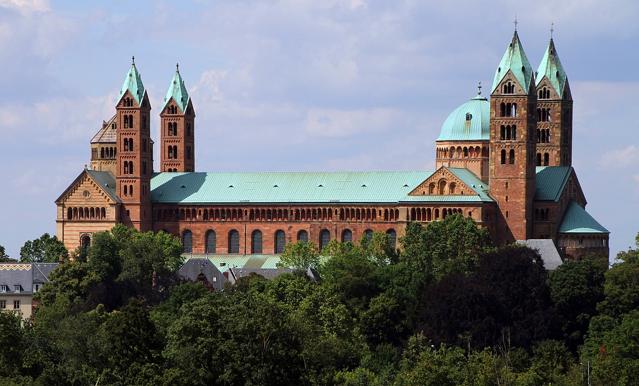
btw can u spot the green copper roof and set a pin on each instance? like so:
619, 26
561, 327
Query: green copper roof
133, 83
468, 122
302, 187
577, 220
551, 68
177, 91
550, 182
514, 60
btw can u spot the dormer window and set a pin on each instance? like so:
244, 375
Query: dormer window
469, 116
4, 288
17, 288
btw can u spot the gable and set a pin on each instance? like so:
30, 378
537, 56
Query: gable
89, 189
557, 183
443, 183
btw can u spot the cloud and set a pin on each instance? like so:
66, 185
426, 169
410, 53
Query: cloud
628, 156
26, 6
347, 123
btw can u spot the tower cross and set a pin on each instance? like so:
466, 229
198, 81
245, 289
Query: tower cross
479, 88
515, 22
552, 29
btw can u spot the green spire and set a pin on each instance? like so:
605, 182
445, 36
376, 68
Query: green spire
177, 91
133, 83
515, 60
551, 68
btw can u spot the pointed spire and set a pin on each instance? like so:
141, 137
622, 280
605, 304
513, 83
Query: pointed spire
177, 90
133, 83
551, 69
514, 60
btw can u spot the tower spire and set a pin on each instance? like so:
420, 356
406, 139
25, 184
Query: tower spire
552, 29
515, 22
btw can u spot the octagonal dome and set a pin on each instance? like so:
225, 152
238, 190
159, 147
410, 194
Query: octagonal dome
468, 122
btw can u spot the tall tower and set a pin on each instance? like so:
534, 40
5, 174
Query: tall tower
177, 128
134, 152
513, 128
554, 112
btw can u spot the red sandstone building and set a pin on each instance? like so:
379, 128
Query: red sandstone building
505, 162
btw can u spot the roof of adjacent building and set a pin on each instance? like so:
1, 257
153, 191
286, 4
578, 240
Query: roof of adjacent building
108, 132
133, 83
24, 275
577, 220
547, 251
468, 122
177, 91
514, 60
550, 182
224, 262
193, 267
551, 69
304, 187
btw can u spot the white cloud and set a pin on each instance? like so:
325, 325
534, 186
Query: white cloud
26, 6
628, 156
347, 123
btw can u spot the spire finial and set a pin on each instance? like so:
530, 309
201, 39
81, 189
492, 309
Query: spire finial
479, 88
552, 29
177, 67
133, 60
515, 23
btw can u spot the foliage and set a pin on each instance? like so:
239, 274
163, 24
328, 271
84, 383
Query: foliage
301, 256
449, 310
45, 249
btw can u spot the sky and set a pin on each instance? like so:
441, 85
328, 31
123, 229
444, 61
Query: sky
304, 86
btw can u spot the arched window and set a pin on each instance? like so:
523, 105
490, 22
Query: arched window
514, 110
347, 235
441, 187
209, 242
546, 159
256, 242
514, 132
502, 110
131, 121
234, 241
392, 238
280, 241
538, 159
503, 157
469, 116
187, 241
451, 188
511, 157
368, 235
324, 239
85, 242
69, 213
502, 135
302, 236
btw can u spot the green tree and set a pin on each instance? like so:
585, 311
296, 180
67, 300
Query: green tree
576, 287
301, 256
621, 288
45, 249
3, 255
12, 343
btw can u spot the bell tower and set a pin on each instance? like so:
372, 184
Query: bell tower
554, 112
177, 120
134, 151
513, 128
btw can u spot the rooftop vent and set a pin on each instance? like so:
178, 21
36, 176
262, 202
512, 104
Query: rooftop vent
275, 186
405, 186
320, 186
183, 187
363, 185
230, 186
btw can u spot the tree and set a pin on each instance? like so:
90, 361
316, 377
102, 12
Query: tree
576, 287
45, 249
301, 255
4, 258
12, 343
621, 287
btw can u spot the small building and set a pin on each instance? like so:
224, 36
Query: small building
19, 282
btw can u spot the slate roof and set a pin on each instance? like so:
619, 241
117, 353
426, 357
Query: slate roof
224, 262
514, 60
192, 268
551, 69
546, 249
106, 181
550, 182
107, 134
577, 220
457, 128
24, 275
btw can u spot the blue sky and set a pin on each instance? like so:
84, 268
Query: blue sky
304, 85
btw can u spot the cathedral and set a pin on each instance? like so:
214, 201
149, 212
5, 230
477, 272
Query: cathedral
504, 161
